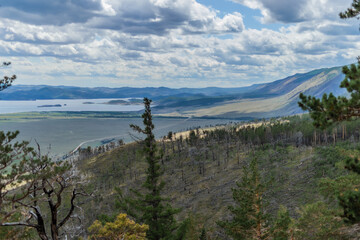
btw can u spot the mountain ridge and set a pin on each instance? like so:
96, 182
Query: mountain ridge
277, 98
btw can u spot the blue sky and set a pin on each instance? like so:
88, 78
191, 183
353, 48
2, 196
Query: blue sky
172, 43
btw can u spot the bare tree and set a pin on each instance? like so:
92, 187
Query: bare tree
43, 193
33, 188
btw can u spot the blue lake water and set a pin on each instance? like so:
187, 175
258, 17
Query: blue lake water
59, 136
66, 105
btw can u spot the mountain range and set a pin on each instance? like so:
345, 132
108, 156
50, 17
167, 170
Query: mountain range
278, 98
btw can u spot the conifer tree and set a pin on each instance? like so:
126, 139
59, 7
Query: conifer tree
353, 11
150, 207
331, 109
281, 228
6, 81
249, 220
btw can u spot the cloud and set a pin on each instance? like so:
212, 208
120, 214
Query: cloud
293, 11
156, 17
54, 12
172, 43
330, 27
176, 60
16, 31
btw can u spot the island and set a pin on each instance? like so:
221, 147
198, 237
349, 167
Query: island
132, 101
55, 105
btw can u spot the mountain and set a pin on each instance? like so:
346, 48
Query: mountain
278, 98
273, 99
37, 92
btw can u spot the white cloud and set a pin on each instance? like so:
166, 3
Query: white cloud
292, 11
173, 43
159, 17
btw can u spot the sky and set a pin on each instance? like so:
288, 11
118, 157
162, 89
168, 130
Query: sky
172, 43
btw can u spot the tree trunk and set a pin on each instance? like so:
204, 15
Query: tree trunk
42, 234
54, 229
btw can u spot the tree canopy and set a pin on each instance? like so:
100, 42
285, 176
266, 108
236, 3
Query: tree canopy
331, 109
352, 11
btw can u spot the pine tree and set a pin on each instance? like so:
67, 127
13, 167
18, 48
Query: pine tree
353, 11
281, 228
6, 81
331, 109
151, 207
249, 220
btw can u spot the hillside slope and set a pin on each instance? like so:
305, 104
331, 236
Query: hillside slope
200, 172
278, 98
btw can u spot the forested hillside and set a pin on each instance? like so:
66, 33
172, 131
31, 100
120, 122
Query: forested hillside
298, 163
285, 166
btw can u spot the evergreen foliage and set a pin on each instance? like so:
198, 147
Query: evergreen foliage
6, 81
249, 220
350, 202
151, 207
352, 164
331, 109
319, 222
353, 11
281, 229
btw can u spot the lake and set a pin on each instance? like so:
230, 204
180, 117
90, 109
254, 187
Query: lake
66, 105
60, 136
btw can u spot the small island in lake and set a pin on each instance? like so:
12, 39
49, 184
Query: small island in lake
88, 103
132, 101
55, 105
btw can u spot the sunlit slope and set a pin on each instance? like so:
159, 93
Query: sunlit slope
274, 99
